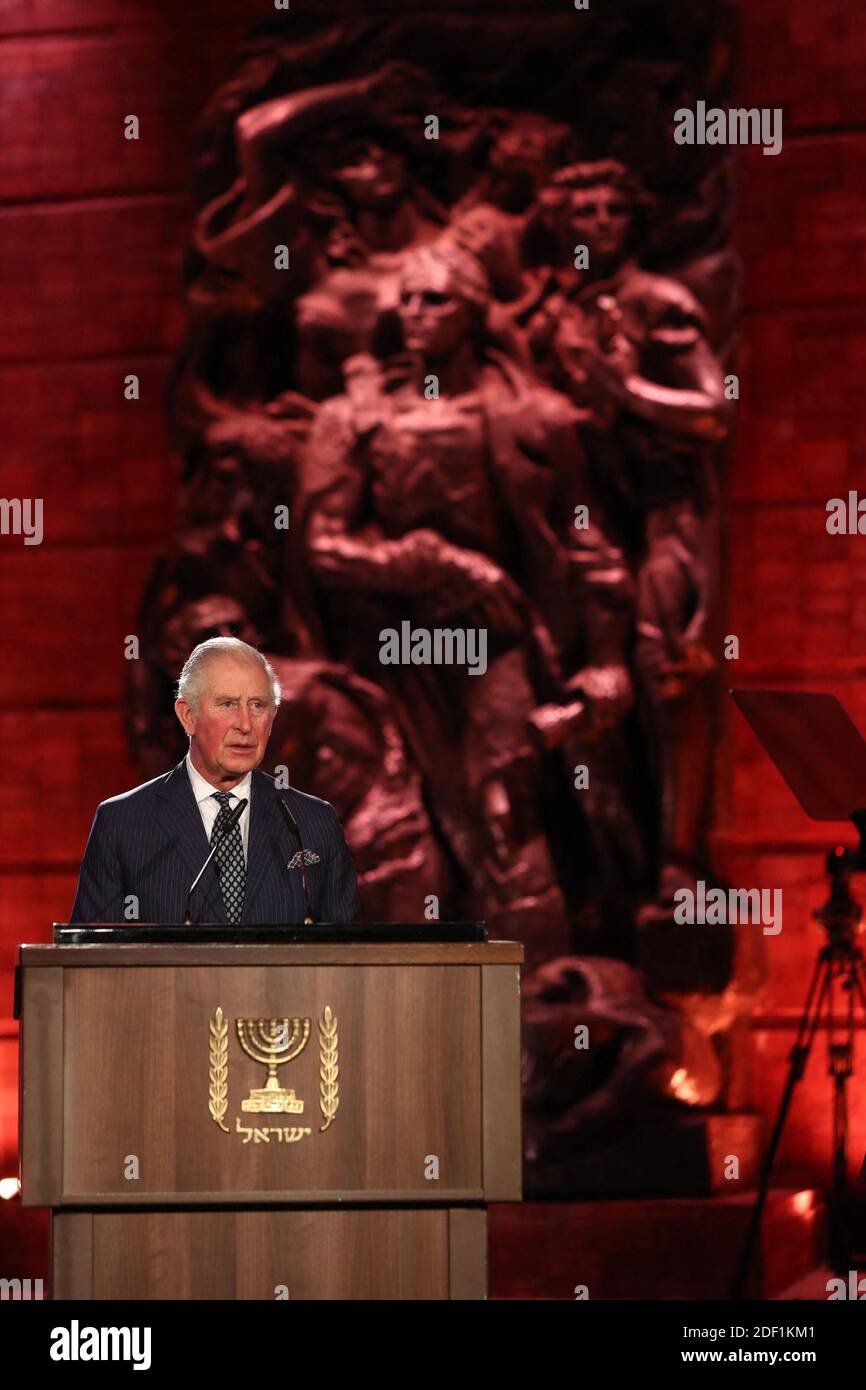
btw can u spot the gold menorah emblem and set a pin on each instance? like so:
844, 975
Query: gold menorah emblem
273, 1041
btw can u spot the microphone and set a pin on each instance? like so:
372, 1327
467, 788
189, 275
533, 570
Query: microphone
309, 920
228, 827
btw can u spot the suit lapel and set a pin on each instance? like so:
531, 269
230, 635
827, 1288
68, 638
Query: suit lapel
182, 821
263, 844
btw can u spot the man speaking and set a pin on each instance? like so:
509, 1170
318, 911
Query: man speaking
271, 863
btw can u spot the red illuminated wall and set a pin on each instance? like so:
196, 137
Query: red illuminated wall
796, 596
91, 233
92, 229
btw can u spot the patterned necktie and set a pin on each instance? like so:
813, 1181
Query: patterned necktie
230, 857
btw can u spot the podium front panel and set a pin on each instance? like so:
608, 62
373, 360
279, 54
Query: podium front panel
260, 1081
294, 1253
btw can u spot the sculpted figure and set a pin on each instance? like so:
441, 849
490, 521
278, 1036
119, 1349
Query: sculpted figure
411, 514
521, 150
340, 735
630, 348
635, 1058
325, 173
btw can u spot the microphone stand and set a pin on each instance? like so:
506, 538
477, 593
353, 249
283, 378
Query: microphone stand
294, 829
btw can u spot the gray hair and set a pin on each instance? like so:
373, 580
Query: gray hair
190, 683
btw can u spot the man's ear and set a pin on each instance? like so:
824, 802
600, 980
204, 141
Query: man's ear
185, 715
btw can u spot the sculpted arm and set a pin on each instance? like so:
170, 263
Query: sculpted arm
272, 127
697, 407
653, 357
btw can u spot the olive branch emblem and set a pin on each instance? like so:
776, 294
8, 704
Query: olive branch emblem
219, 1068
329, 1071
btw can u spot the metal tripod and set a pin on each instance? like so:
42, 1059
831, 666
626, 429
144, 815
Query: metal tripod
840, 964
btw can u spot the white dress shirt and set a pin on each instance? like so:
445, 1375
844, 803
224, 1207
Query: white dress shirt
210, 807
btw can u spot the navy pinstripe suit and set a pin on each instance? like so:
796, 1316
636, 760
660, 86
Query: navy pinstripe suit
151, 842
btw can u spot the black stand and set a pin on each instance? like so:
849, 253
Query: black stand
841, 963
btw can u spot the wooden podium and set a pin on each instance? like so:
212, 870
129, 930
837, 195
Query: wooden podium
270, 1121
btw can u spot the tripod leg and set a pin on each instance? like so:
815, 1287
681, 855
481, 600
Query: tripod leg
840, 1070
806, 1030
857, 974
841, 1058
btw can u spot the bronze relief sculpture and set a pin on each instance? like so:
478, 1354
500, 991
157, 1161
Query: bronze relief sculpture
478, 369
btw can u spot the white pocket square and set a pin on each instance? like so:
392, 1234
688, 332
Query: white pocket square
310, 857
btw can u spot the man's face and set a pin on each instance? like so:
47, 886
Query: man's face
599, 218
518, 163
229, 730
435, 321
371, 176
